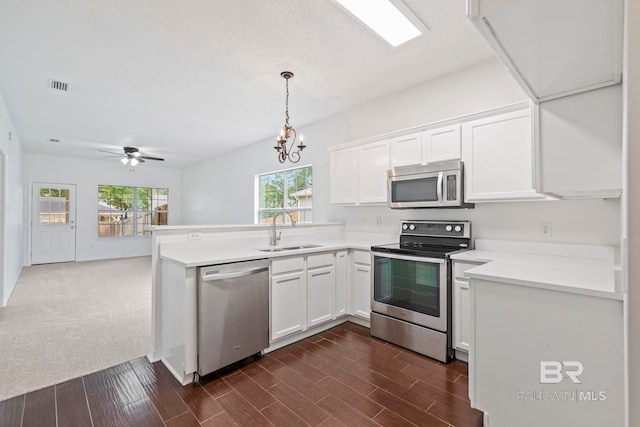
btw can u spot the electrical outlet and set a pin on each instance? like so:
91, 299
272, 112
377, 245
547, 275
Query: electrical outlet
359, 223
545, 229
318, 229
195, 235
379, 221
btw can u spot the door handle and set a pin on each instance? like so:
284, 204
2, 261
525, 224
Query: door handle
233, 275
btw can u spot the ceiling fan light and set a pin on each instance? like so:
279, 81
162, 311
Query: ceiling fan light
124, 160
134, 161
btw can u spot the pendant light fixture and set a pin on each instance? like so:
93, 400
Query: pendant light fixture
288, 134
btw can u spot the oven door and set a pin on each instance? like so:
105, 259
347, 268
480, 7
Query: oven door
410, 288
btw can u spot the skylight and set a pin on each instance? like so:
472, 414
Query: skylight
384, 18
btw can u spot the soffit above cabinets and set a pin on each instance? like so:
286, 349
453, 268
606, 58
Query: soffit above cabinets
554, 47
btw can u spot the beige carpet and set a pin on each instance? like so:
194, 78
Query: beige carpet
70, 319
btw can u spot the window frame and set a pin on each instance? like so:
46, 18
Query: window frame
134, 211
257, 210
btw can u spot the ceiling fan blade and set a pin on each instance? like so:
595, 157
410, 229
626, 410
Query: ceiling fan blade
110, 152
151, 158
111, 157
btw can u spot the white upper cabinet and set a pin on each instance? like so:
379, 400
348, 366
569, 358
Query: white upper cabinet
554, 48
498, 157
358, 175
342, 167
406, 150
373, 163
441, 144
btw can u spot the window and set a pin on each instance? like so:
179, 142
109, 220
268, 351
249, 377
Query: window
290, 190
54, 206
124, 211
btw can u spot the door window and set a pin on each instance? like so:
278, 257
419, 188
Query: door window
54, 206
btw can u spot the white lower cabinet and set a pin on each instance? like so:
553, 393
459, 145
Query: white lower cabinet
288, 297
461, 306
305, 291
342, 283
362, 284
321, 283
461, 324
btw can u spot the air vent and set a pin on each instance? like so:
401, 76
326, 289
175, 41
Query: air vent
58, 85
54, 140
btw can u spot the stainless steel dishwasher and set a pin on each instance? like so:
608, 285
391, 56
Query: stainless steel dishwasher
233, 313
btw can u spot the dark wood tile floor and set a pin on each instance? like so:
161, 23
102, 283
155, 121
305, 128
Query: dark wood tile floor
341, 377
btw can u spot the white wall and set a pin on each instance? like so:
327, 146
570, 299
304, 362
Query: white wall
11, 239
87, 175
589, 222
221, 190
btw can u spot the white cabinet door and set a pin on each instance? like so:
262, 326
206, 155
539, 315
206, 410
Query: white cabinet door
288, 303
406, 150
362, 290
342, 167
320, 295
441, 144
342, 283
373, 163
461, 318
498, 158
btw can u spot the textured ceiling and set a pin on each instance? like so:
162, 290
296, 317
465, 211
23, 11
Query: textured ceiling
193, 79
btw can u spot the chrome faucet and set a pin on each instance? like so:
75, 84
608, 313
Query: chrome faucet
275, 237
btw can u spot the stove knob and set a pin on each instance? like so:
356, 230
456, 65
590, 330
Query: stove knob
405, 226
458, 229
448, 228
412, 227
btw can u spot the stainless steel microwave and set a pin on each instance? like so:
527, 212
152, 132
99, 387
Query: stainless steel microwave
434, 185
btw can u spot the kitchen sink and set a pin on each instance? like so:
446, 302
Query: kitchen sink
290, 248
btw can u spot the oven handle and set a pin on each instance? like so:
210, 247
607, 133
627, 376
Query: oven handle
440, 189
409, 258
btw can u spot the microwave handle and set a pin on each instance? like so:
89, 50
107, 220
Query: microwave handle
440, 187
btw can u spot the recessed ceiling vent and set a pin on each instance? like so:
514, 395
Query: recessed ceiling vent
58, 85
54, 140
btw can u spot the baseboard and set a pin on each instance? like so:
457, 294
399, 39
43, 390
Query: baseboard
154, 355
462, 355
183, 379
315, 330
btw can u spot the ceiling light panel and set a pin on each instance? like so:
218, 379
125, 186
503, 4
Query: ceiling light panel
385, 19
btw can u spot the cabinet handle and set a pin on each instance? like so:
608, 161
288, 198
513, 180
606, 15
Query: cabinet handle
234, 275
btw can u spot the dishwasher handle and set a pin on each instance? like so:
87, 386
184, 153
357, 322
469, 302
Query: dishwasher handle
232, 275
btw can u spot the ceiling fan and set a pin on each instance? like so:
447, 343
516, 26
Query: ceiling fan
132, 156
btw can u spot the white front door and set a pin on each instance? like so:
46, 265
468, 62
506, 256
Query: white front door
53, 225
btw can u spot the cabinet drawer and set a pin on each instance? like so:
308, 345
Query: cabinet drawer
321, 260
286, 265
460, 267
362, 257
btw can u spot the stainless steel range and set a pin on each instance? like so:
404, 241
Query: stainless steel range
411, 281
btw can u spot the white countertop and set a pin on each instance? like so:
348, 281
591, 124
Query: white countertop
210, 252
590, 273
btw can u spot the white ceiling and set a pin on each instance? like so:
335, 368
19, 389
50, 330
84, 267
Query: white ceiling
189, 80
